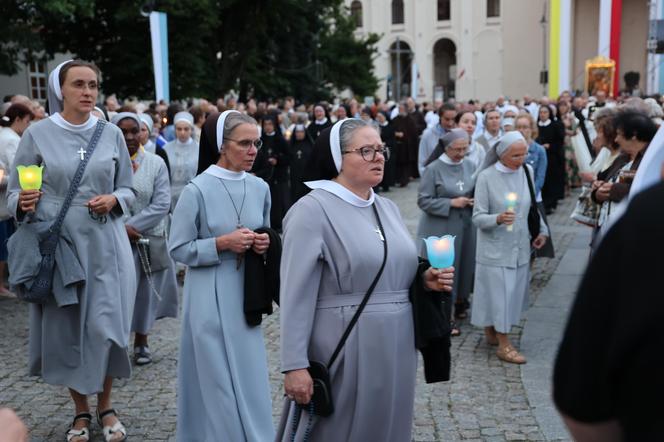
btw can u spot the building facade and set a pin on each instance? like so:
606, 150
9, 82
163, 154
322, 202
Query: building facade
439, 49
31, 80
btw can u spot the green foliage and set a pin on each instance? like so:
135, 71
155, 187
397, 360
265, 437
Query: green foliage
269, 48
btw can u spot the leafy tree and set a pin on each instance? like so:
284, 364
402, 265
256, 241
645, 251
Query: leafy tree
268, 48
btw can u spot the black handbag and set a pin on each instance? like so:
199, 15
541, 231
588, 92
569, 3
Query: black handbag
323, 404
533, 212
40, 289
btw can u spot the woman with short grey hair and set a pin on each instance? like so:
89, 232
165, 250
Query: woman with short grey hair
337, 240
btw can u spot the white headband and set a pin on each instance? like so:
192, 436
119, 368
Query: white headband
335, 144
56, 79
220, 127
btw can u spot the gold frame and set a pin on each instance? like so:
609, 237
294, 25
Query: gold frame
600, 69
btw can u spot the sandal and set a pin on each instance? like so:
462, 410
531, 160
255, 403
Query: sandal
109, 432
454, 329
142, 355
82, 434
511, 355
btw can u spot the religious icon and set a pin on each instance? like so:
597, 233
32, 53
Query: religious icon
600, 72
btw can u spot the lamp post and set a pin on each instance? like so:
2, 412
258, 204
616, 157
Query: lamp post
544, 74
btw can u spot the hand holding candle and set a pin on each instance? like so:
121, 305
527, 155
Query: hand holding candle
510, 200
30, 180
30, 177
440, 251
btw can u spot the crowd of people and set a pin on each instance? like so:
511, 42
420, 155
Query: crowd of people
260, 202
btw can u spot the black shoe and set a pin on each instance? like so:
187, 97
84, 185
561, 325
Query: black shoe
142, 355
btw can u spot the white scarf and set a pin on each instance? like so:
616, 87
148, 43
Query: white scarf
225, 174
342, 192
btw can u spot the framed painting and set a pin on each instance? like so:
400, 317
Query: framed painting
600, 72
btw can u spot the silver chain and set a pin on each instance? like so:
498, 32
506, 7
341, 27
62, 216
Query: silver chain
143, 255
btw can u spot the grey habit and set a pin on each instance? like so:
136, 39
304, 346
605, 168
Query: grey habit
183, 159
331, 254
223, 386
80, 345
148, 216
442, 181
503, 257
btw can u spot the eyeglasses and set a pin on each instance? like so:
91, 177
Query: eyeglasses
369, 152
246, 144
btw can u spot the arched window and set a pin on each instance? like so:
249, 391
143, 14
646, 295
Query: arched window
397, 12
356, 13
443, 10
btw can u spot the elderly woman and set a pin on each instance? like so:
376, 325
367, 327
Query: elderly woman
182, 155
446, 199
156, 294
634, 131
79, 338
338, 235
223, 388
503, 243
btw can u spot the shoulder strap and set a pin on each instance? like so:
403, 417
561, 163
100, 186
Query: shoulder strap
356, 316
76, 181
530, 185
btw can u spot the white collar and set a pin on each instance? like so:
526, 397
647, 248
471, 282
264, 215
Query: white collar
342, 192
544, 123
271, 134
323, 121
189, 141
504, 169
447, 160
225, 174
57, 119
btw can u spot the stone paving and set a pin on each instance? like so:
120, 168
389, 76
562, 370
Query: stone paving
484, 401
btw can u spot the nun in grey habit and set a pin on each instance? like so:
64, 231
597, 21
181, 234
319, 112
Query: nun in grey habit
332, 250
157, 291
503, 243
223, 393
182, 155
446, 199
82, 343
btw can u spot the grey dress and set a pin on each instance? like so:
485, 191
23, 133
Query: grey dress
78, 346
148, 216
503, 256
223, 386
441, 183
331, 255
183, 159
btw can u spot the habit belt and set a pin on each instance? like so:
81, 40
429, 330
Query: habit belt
353, 299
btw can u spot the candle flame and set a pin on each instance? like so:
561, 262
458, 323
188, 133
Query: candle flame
442, 245
512, 197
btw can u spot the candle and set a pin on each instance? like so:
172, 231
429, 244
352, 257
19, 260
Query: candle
440, 251
30, 177
511, 199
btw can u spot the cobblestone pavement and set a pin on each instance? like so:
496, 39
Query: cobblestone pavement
484, 401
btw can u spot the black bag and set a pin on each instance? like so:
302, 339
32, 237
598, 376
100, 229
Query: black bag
319, 372
39, 291
533, 212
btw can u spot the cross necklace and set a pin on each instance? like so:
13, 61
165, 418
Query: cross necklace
238, 213
82, 153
